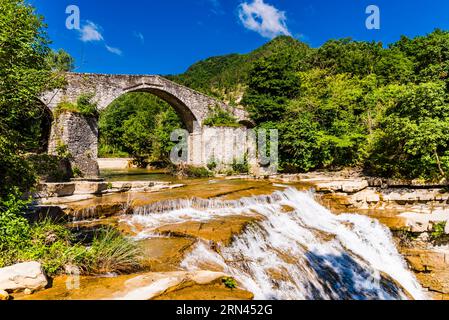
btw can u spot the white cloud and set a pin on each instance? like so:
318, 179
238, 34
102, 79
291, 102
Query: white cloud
139, 36
90, 32
263, 18
113, 50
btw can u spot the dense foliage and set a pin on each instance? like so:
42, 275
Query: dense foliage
24, 74
218, 117
138, 124
346, 103
27, 68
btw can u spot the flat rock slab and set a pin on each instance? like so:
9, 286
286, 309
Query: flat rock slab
347, 186
145, 286
165, 254
28, 275
220, 230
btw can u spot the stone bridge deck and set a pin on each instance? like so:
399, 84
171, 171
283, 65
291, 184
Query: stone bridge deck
192, 106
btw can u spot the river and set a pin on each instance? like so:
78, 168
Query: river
276, 240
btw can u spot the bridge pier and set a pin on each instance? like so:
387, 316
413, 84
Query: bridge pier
76, 137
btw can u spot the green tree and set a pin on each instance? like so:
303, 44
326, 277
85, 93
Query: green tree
272, 82
412, 139
139, 125
61, 61
430, 55
24, 74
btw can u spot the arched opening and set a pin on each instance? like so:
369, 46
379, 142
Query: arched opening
36, 131
247, 124
138, 125
185, 114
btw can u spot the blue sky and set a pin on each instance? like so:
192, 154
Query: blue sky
167, 36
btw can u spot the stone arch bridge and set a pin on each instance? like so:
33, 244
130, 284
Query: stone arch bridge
80, 134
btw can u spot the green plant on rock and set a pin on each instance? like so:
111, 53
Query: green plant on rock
438, 231
86, 106
65, 106
77, 173
229, 282
241, 165
83, 106
212, 164
110, 251
62, 150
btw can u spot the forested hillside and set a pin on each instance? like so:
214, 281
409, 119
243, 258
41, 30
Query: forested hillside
225, 77
346, 103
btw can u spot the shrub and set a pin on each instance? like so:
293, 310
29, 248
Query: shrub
51, 245
77, 173
212, 165
14, 227
112, 252
54, 245
50, 168
218, 117
190, 171
438, 231
83, 106
241, 166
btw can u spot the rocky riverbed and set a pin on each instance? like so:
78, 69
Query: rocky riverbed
180, 228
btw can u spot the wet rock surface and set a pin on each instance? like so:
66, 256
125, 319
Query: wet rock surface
220, 230
164, 253
145, 286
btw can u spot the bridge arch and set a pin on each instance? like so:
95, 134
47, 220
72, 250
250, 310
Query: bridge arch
192, 106
81, 134
189, 119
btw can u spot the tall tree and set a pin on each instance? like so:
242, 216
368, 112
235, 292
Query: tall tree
24, 74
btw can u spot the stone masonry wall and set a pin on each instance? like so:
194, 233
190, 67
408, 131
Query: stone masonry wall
80, 135
223, 145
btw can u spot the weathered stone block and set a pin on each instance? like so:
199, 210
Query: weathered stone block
49, 190
88, 187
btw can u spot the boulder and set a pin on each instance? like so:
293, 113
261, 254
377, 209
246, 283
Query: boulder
22, 276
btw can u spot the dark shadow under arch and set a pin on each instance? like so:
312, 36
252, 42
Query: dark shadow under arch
45, 121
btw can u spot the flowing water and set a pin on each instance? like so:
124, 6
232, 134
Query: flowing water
296, 249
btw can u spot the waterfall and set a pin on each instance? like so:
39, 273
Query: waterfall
300, 250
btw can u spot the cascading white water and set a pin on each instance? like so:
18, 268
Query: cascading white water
300, 250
